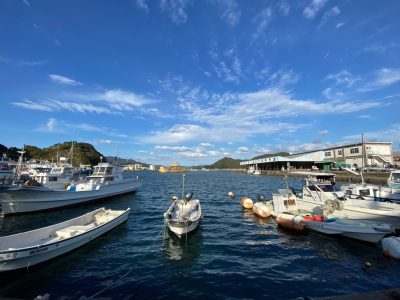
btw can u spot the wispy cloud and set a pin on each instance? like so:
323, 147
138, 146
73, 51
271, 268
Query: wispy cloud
239, 116
22, 63
142, 4
262, 20
228, 67
230, 12
334, 11
206, 145
344, 78
53, 105
283, 78
284, 7
54, 125
380, 79
313, 7
172, 148
175, 9
26, 2
340, 24
242, 150
391, 134
64, 80
262, 150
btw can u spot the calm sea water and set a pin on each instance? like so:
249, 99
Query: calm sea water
232, 255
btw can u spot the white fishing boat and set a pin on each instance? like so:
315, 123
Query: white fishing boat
58, 177
184, 215
391, 246
106, 181
29, 248
319, 190
394, 181
356, 229
5, 171
285, 208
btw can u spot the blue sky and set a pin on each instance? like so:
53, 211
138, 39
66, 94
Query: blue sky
194, 81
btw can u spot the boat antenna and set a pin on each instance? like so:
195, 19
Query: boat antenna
183, 184
362, 159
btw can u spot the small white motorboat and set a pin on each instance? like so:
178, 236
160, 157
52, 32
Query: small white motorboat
29, 248
391, 246
183, 216
355, 229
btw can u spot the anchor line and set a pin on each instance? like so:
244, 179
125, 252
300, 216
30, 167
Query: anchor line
129, 271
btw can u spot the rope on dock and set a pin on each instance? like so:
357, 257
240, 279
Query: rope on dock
112, 284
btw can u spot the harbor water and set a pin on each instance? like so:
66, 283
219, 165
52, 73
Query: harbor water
232, 255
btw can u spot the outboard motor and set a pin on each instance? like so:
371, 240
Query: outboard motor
260, 198
188, 196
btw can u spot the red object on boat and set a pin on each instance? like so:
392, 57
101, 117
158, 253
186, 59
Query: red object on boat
319, 218
308, 218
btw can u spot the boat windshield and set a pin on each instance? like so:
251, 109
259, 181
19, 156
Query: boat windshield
396, 177
326, 188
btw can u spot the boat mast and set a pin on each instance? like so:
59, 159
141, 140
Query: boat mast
72, 153
183, 185
19, 165
362, 158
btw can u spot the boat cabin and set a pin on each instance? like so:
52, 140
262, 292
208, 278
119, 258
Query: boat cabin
105, 172
57, 178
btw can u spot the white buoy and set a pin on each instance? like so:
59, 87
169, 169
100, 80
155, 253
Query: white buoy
231, 195
174, 198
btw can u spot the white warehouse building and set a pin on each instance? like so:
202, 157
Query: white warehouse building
358, 155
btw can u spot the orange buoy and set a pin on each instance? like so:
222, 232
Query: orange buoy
261, 210
290, 222
246, 202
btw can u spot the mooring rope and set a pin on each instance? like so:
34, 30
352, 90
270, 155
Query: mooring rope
129, 271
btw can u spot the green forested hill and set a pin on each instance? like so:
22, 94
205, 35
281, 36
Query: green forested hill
83, 153
226, 163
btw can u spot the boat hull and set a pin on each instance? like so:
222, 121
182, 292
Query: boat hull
32, 199
369, 234
11, 260
291, 222
183, 217
353, 212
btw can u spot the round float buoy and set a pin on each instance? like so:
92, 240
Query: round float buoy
261, 210
231, 195
174, 198
368, 264
246, 202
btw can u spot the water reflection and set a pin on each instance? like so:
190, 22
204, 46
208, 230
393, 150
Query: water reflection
187, 249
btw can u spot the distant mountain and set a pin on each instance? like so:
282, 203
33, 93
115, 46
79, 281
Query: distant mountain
284, 154
225, 163
83, 153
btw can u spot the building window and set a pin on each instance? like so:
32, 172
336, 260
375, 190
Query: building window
339, 152
328, 153
354, 150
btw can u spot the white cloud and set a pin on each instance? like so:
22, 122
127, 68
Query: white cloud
323, 132
391, 134
58, 126
206, 145
64, 80
105, 142
26, 2
344, 78
175, 9
306, 147
235, 117
227, 68
142, 5
262, 150
334, 11
284, 77
385, 77
242, 150
380, 48
284, 7
340, 24
231, 14
312, 9
262, 20
172, 148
